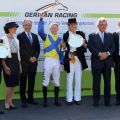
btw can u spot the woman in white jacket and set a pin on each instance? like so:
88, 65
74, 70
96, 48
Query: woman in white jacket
11, 65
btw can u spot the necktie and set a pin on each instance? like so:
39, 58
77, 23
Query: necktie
30, 39
102, 37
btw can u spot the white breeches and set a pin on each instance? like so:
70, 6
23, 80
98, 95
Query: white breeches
77, 70
51, 66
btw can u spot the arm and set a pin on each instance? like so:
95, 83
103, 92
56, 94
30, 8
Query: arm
112, 48
41, 31
37, 48
91, 47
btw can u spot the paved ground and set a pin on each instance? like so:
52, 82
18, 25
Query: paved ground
83, 112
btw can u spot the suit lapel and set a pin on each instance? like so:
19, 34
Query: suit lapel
26, 38
32, 38
99, 39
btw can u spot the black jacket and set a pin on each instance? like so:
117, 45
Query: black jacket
116, 55
26, 49
95, 46
80, 52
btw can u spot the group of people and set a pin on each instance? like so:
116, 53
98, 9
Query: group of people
20, 66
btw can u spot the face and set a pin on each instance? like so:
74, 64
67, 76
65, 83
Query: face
54, 29
72, 27
12, 30
27, 26
102, 26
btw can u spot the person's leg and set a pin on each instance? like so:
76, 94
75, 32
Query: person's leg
77, 88
47, 72
56, 78
96, 86
8, 97
23, 83
107, 85
117, 84
31, 82
11, 102
69, 96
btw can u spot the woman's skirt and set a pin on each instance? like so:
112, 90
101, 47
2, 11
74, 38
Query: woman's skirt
12, 80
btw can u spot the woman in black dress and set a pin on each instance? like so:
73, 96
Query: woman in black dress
11, 65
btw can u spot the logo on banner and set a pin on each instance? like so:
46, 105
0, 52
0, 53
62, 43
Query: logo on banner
49, 8
52, 6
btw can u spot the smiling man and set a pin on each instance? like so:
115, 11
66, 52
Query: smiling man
101, 46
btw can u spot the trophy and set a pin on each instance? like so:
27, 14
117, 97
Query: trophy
4, 51
75, 40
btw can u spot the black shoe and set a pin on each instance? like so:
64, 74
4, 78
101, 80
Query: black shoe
107, 104
45, 104
77, 102
7, 108
13, 107
57, 104
117, 103
2, 112
56, 91
33, 102
24, 105
69, 103
96, 104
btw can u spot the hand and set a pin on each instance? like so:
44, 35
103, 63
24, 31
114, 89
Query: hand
84, 44
33, 59
7, 70
103, 56
42, 15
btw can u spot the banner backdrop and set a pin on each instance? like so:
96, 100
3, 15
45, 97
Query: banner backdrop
85, 11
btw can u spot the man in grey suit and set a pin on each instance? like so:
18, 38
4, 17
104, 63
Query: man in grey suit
101, 46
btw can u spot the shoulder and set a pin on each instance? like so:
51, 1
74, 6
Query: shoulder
92, 34
80, 32
109, 33
34, 34
66, 34
20, 34
3, 37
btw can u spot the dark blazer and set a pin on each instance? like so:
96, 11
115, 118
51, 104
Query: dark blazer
96, 45
116, 55
26, 49
80, 52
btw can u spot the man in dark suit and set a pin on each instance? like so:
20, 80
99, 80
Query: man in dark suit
29, 51
116, 58
74, 63
101, 46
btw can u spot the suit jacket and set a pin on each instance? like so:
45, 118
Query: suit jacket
80, 52
26, 49
116, 55
96, 46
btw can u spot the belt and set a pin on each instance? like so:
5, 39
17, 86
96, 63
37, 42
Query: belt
74, 53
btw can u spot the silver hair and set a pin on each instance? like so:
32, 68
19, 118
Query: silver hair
27, 21
101, 19
51, 24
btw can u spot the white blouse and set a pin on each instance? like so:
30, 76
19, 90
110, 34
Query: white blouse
6, 41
